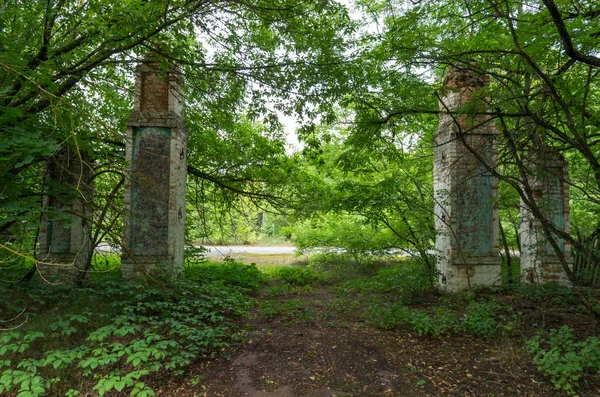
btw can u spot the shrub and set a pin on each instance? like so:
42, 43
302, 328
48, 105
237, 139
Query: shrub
292, 311
408, 280
193, 255
441, 322
562, 359
480, 320
297, 275
246, 277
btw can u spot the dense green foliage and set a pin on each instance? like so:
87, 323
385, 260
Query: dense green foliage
364, 82
66, 83
233, 274
563, 359
64, 347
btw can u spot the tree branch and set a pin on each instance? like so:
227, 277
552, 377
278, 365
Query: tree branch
566, 38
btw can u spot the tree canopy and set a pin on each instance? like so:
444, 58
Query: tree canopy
363, 79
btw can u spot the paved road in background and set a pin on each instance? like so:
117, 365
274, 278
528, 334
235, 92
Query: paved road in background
224, 250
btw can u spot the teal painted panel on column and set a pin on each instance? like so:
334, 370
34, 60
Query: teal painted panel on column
553, 207
475, 202
150, 191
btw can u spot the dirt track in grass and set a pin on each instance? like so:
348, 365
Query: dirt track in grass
331, 352
321, 347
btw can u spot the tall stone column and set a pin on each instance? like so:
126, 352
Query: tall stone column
154, 222
548, 179
465, 191
65, 245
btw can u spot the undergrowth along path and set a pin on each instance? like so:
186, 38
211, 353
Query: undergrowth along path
315, 342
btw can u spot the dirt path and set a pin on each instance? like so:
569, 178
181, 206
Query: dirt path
318, 347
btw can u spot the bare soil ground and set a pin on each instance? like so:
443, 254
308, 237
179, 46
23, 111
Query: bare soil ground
327, 350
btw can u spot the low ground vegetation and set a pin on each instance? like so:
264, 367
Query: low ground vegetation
113, 337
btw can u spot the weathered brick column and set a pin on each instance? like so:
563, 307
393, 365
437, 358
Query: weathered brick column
156, 150
548, 178
465, 192
65, 245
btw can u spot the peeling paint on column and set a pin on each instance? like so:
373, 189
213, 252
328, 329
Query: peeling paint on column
475, 206
149, 235
154, 223
548, 181
465, 191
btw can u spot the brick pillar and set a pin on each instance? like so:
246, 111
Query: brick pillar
465, 192
65, 245
154, 223
548, 179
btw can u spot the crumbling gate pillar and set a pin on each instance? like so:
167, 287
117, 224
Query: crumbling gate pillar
547, 177
154, 222
65, 245
465, 191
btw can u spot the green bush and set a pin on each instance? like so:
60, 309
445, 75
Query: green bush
336, 232
388, 316
297, 275
193, 255
564, 360
246, 277
408, 280
441, 322
292, 311
480, 319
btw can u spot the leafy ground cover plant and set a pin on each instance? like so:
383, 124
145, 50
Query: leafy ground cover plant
440, 321
563, 359
481, 319
299, 276
409, 281
292, 311
65, 348
231, 273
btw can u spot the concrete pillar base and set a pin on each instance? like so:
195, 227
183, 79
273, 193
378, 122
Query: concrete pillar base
476, 272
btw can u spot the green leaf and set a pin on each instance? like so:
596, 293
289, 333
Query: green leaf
120, 385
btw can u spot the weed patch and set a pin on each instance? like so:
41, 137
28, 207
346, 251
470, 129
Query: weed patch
297, 275
66, 349
234, 274
287, 289
408, 281
292, 311
482, 319
563, 359
437, 323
